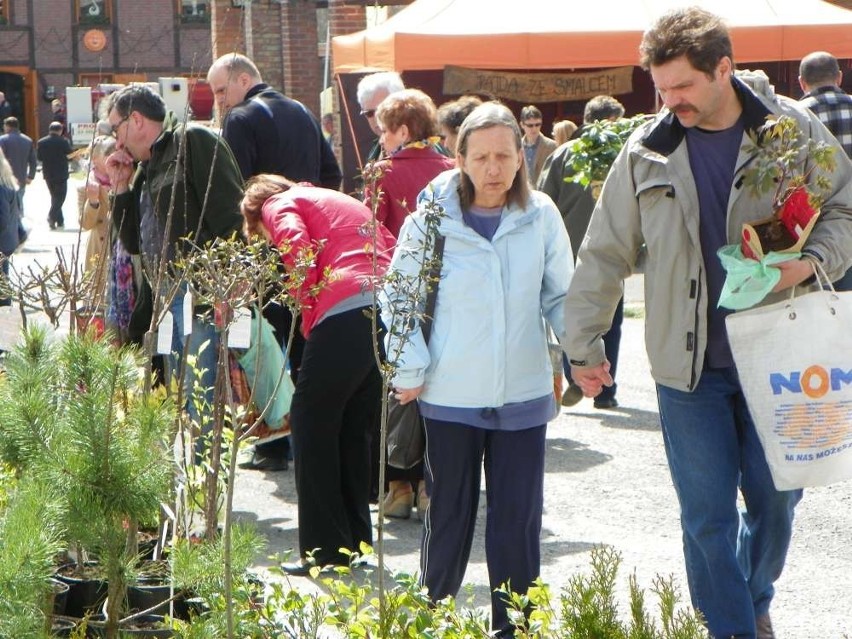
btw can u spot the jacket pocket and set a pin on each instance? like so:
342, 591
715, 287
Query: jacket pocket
649, 192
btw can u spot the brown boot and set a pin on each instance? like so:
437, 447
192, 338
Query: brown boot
399, 501
422, 500
764, 627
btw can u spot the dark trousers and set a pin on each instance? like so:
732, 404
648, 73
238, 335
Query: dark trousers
335, 407
612, 342
58, 190
514, 491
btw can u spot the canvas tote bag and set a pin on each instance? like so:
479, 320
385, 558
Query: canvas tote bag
794, 360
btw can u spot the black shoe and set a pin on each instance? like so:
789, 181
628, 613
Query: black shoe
572, 395
52, 225
261, 462
298, 568
606, 402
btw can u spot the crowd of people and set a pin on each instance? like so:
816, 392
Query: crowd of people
525, 252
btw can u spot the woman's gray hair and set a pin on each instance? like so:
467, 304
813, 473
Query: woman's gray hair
486, 116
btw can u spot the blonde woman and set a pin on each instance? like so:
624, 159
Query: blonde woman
9, 218
562, 131
93, 200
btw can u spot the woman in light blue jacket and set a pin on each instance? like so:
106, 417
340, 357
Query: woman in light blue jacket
484, 382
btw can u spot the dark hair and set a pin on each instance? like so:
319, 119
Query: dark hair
55, 127
486, 116
12, 122
410, 107
139, 98
259, 189
692, 32
529, 112
818, 69
452, 114
602, 107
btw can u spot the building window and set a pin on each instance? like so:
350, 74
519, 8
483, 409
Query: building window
93, 11
4, 12
194, 10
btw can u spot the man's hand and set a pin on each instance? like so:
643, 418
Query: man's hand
119, 167
592, 379
793, 272
405, 395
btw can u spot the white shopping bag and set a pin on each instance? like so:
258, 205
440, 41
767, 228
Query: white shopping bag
794, 360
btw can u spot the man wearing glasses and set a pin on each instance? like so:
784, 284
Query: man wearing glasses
537, 147
171, 181
372, 89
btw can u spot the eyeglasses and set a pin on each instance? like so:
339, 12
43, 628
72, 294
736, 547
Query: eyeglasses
532, 125
114, 128
369, 113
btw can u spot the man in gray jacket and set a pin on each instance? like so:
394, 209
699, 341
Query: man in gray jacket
677, 187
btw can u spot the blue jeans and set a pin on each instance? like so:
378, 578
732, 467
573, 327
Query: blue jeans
845, 282
202, 331
732, 558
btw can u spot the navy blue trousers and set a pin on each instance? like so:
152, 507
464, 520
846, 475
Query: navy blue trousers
514, 492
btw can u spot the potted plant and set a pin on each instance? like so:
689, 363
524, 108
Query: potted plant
594, 151
794, 168
99, 445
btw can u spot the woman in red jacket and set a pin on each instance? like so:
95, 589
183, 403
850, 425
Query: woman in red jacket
409, 123
338, 394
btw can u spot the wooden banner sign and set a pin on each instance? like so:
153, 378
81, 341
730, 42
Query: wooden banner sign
538, 87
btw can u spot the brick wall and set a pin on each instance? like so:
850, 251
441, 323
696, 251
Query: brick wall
284, 44
300, 62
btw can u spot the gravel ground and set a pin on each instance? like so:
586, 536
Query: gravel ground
607, 482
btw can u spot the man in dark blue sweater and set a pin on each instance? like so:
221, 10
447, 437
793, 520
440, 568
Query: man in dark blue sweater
267, 131
271, 133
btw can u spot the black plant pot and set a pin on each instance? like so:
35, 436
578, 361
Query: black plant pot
153, 626
145, 595
86, 591
62, 626
57, 598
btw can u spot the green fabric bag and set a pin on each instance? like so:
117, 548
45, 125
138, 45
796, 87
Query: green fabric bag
263, 371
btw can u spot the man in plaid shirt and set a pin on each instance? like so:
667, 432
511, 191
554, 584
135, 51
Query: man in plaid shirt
820, 78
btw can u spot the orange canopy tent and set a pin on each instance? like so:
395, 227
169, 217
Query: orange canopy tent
556, 34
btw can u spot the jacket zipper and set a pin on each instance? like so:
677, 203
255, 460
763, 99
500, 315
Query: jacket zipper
692, 337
